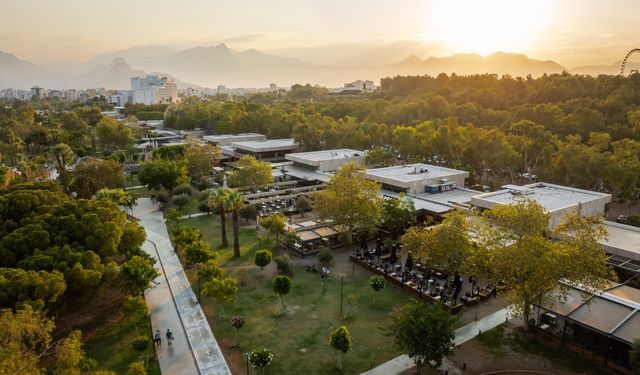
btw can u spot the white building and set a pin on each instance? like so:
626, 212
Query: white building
320, 165
418, 178
121, 98
153, 89
556, 200
225, 139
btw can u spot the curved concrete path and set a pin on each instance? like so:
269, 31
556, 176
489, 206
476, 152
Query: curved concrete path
173, 305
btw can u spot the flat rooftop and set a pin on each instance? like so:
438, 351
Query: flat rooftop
551, 197
614, 311
326, 155
623, 240
413, 172
266, 145
437, 203
227, 138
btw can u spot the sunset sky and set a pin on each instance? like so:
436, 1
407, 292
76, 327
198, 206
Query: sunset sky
569, 31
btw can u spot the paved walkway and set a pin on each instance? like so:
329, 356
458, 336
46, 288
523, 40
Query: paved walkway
173, 305
463, 334
189, 216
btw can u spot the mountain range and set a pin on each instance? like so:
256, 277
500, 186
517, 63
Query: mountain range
214, 65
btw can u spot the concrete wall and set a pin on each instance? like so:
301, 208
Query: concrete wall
335, 164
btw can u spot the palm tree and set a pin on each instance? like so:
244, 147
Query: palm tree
218, 199
235, 201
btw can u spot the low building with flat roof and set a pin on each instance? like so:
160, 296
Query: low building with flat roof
418, 178
327, 160
556, 200
224, 139
268, 149
623, 245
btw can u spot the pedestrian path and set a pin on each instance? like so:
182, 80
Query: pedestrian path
463, 334
189, 216
173, 305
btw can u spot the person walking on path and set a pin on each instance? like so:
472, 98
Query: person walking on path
169, 336
157, 339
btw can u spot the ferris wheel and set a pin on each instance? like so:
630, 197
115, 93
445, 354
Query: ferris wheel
626, 58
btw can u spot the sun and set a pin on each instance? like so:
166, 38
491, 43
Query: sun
487, 26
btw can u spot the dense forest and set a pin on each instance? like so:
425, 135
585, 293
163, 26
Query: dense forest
575, 130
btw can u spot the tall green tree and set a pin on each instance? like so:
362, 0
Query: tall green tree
235, 202
138, 273
162, 173
274, 223
516, 247
251, 173
445, 245
217, 202
281, 285
398, 214
350, 200
424, 332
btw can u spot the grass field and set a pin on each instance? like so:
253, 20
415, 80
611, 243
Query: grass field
300, 338
112, 347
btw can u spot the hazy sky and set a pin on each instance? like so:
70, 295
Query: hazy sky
570, 31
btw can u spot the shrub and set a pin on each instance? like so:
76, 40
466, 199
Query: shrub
183, 189
181, 200
263, 258
284, 265
325, 255
376, 282
260, 358
136, 368
163, 197
141, 343
203, 206
248, 212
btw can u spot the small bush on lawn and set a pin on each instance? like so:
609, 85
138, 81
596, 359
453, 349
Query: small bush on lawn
325, 255
284, 265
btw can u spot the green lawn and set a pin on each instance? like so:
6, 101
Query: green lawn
300, 338
112, 347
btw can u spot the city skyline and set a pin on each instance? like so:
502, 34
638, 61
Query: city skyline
571, 33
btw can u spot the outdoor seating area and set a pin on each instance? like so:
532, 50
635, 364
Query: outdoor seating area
311, 235
426, 283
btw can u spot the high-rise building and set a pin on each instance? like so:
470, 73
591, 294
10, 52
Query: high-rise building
153, 89
37, 92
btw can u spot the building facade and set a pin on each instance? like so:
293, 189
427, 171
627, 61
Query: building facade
153, 89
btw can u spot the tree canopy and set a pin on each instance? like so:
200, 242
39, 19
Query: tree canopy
516, 247
424, 332
350, 200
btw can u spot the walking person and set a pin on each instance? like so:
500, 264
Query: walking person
169, 336
157, 339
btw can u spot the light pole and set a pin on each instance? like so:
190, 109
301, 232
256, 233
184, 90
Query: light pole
341, 292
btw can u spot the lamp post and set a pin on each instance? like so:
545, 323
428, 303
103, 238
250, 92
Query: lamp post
246, 356
341, 292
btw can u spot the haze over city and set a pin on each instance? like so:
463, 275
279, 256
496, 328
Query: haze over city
337, 187
314, 41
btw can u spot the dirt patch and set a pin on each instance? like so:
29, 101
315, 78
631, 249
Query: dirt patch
89, 315
507, 352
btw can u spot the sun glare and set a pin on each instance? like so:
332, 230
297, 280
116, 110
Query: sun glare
487, 26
